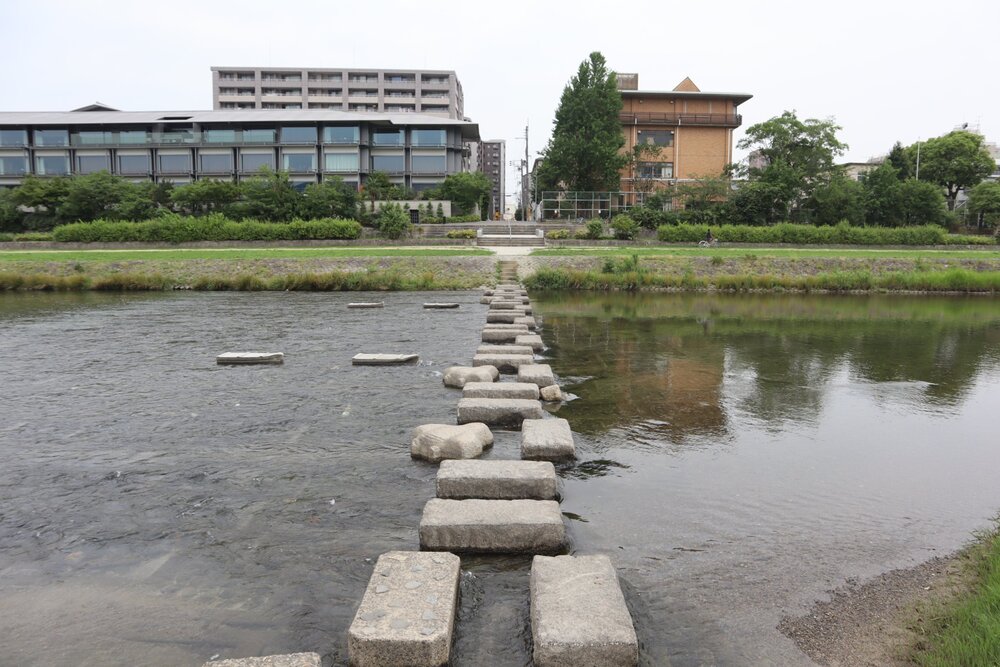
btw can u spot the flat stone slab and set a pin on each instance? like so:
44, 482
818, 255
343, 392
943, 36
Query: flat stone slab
505, 363
437, 442
367, 304
527, 321
407, 614
547, 440
492, 526
497, 304
534, 341
502, 335
510, 326
287, 660
486, 299
578, 614
237, 358
504, 412
497, 480
384, 359
504, 349
540, 374
441, 306
503, 316
500, 390
459, 376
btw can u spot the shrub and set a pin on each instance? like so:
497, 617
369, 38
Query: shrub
393, 221
843, 234
461, 234
557, 234
595, 228
463, 218
581, 234
32, 236
624, 227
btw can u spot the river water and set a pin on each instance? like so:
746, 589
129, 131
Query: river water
739, 456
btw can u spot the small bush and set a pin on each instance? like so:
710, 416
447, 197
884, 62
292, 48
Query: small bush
580, 234
557, 234
393, 221
624, 227
841, 234
461, 234
463, 218
595, 228
33, 236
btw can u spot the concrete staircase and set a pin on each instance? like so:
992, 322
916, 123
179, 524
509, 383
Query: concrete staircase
502, 234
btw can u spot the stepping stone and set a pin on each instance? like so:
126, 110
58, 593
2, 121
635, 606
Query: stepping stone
491, 335
527, 321
551, 394
500, 390
407, 614
540, 374
547, 440
436, 442
384, 359
502, 316
492, 526
287, 660
458, 376
497, 480
504, 349
534, 341
486, 299
505, 363
367, 304
506, 305
506, 325
441, 306
578, 614
237, 358
509, 412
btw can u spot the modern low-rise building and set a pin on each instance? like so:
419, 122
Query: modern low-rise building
491, 161
415, 150
436, 92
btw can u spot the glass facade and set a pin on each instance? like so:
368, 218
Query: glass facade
88, 164
388, 138
427, 137
133, 137
390, 163
655, 138
93, 138
219, 136
428, 164
211, 163
13, 165
298, 162
259, 136
52, 165
51, 138
345, 162
253, 162
174, 164
656, 170
341, 135
13, 138
134, 165
298, 135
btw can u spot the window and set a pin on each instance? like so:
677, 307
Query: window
215, 163
13, 137
656, 170
133, 164
175, 164
52, 165
13, 165
428, 164
259, 136
655, 138
88, 164
390, 163
347, 162
133, 137
251, 162
420, 187
219, 136
341, 135
298, 135
387, 138
51, 138
93, 138
299, 162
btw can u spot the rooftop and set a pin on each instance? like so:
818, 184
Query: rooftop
685, 88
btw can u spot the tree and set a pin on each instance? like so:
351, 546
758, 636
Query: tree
902, 161
330, 199
797, 155
378, 187
883, 197
206, 196
759, 203
10, 215
268, 196
984, 202
955, 161
921, 203
393, 221
584, 152
840, 199
466, 190
643, 180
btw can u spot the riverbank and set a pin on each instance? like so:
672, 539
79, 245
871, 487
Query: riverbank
942, 612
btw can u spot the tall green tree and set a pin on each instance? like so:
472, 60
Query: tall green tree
268, 196
882, 196
922, 203
840, 199
584, 152
956, 161
330, 199
378, 187
466, 190
984, 202
901, 160
205, 196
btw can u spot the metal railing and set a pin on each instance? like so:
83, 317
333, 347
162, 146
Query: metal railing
655, 118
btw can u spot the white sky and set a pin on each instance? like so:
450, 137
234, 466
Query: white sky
884, 70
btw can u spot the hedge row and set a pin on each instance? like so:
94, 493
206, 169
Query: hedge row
184, 229
842, 234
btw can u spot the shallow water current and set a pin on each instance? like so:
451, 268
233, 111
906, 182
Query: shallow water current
738, 457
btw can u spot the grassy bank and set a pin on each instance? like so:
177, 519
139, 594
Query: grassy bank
172, 254
804, 253
965, 630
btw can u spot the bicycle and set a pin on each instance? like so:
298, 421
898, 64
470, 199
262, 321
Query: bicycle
708, 244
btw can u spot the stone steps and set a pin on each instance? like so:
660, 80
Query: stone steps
501, 390
502, 412
492, 526
496, 480
547, 440
510, 241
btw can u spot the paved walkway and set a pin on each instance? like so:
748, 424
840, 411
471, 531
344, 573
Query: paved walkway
510, 251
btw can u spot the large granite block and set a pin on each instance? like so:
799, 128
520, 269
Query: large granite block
547, 440
501, 390
458, 376
505, 363
540, 374
503, 412
534, 341
497, 480
286, 660
436, 442
407, 614
578, 614
491, 335
492, 526
486, 348
503, 316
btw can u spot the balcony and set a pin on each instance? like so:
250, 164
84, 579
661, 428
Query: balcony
677, 119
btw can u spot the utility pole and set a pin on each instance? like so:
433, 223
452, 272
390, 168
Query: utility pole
526, 181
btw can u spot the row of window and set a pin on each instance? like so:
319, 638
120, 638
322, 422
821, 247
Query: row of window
656, 170
319, 76
218, 163
288, 135
655, 138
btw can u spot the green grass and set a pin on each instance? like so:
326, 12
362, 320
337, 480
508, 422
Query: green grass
179, 254
991, 253
967, 630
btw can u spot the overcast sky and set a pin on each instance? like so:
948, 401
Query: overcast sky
884, 70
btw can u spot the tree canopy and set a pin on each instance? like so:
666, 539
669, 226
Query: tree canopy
956, 161
584, 152
466, 190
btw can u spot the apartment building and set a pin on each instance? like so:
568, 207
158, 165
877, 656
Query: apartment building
491, 161
686, 133
415, 150
436, 92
